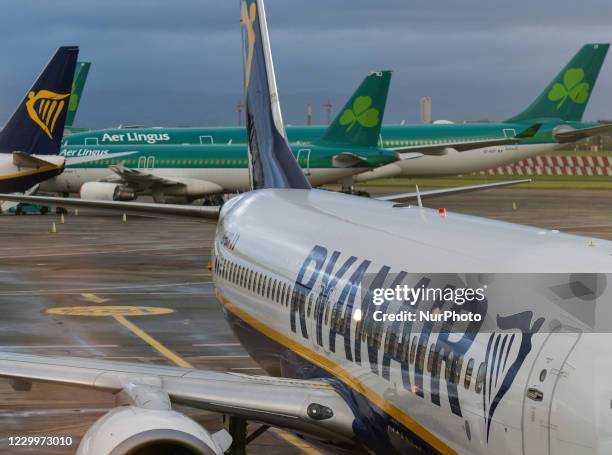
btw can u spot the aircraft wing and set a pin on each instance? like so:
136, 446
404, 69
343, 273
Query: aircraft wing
312, 407
566, 134
402, 197
464, 146
139, 180
138, 208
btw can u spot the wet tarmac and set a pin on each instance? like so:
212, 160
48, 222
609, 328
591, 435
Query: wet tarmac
55, 291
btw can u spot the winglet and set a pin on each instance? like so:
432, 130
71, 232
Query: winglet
271, 163
529, 132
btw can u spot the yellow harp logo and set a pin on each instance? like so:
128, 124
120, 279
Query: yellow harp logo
247, 18
44, 108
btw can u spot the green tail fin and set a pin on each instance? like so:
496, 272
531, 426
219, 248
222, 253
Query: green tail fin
359, 122
78, 84
567, 96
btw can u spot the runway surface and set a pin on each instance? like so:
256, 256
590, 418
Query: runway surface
56, 290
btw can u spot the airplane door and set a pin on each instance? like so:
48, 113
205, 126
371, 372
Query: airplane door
510, 133
206, 140
142, 162
537, 401
303, 158
151, 162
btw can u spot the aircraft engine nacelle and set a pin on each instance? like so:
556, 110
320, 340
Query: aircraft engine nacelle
192, 188
131, 430
102, 191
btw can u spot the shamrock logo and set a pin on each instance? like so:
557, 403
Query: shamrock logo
572, 87
361, 113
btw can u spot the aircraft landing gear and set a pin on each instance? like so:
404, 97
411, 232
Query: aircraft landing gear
349, 188
237, 428
213, 200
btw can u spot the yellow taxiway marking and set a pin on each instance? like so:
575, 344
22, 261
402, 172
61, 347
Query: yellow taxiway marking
297, 442
179, 361
93, 298
119, 313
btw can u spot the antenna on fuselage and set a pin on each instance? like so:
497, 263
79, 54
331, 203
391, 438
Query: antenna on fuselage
418, 194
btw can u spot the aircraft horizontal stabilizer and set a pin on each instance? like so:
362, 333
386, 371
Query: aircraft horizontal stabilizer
312, 407
138, 208
25, 160
566, 134
402, 197
464, 146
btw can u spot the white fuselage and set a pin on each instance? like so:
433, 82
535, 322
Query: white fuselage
20, 177
276, 252
455, 163
230, 179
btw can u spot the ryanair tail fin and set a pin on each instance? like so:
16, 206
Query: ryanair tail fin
78, 85
567, 96
359, 122
37, 126
271, 163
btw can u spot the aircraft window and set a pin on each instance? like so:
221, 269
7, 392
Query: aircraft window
309, 305
275, 291
413, 349
326, 314
457, 365
420, 356
468, 374
268, 287
405, 351
283, 294
480, 377
258, 283
448, 366
250, 279
430, 357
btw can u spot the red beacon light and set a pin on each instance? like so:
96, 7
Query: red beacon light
442, 212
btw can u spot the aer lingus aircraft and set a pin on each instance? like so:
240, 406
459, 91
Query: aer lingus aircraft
431, 149
289, 265
30, 140
183, 173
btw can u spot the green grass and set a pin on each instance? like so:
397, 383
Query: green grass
537, 183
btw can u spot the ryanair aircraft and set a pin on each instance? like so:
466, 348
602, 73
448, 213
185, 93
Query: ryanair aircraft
30, 141
527, 373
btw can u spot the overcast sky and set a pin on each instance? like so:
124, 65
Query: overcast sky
177, 62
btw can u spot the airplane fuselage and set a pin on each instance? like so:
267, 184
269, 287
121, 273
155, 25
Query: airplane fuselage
223, 165
302, 314
392, 137
16, 178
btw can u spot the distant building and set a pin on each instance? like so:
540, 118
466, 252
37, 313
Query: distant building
426, 109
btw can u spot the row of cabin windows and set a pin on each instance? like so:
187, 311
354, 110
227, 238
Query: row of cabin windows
387, 143
275, 290
280, 292
159, 163
416, 353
